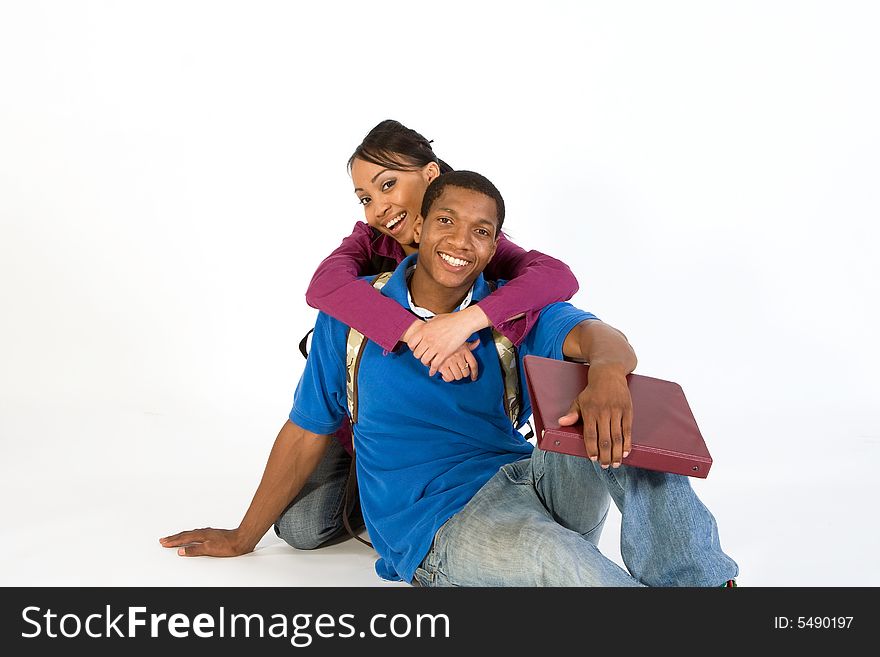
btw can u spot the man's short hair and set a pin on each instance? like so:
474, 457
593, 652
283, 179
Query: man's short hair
466, 180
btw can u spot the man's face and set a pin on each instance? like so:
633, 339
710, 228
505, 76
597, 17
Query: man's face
457, 238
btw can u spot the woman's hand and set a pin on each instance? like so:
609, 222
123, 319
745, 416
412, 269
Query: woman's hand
461, 363
207, 542
434, 341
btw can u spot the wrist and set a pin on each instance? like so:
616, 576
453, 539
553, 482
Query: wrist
609, 368
476, 318
408, 333
243, 541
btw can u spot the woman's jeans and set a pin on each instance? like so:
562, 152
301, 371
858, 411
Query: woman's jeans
537, 522
315, 515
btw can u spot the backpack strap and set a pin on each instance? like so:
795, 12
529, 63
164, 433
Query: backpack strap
508, 362
303, 344
351, 486
354, 349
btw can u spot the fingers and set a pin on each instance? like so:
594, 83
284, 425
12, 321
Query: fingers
438, 355
460, 370
436, 364
435, 357
426, 355
605, 408
207, 542
616, 440
442, 357
447, 374
610, 439
458, 365
189, 544
591, 442
603, 425
472, 367
415, 342
420, 347
573, 415
627, 426
194, 550
453, 371
182, 538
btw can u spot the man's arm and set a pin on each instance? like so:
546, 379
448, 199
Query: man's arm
605, 404
294, 456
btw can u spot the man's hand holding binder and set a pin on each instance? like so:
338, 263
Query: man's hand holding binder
605, 410
605, 403
647, 425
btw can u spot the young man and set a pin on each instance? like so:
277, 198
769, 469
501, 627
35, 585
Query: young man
451, 493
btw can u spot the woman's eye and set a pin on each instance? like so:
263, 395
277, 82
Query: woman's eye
482, 232
364, 200
388, 184
444, 220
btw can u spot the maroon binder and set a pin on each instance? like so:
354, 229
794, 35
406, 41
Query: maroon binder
665, 435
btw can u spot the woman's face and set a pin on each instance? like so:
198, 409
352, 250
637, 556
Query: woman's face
391, 198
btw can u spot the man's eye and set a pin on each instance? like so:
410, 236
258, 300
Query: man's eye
364, 200
483, 232
444, 220
388, 184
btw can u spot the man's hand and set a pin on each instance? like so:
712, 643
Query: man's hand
295, 455
207, 542
606, 408
434, 341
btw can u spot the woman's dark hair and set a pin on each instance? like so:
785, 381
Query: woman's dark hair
391, 144
466, 180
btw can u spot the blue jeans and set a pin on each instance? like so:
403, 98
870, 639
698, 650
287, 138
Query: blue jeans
537, 522
315, 516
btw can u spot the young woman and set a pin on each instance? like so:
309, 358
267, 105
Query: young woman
390, 170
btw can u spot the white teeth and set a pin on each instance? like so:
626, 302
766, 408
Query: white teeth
455, 262
396, 220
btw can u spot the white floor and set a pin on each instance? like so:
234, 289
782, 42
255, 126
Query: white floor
88, 491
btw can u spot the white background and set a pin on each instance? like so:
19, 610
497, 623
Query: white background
171, 173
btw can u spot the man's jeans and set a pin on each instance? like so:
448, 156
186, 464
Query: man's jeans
537, 522
315, 516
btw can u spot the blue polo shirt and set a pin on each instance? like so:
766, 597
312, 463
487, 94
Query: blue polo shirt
424, 446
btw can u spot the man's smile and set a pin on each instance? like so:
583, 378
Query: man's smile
452, 262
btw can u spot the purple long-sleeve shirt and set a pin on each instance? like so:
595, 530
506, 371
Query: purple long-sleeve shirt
536, 280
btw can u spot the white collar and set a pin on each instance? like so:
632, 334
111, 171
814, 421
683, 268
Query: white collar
424, 313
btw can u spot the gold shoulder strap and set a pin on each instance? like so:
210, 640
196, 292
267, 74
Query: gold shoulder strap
508, 361
354, 348
510, 372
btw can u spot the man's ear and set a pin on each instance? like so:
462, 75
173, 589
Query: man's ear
430, 171
417, 229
